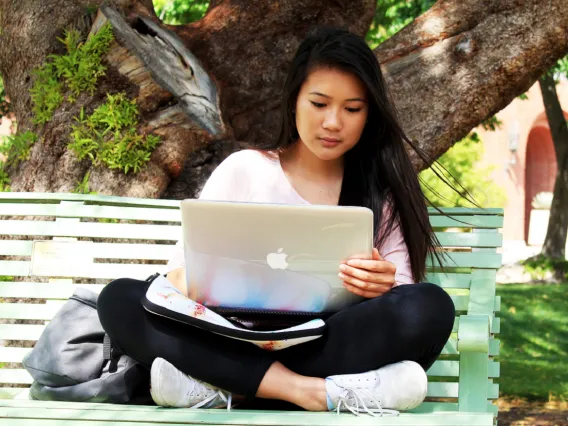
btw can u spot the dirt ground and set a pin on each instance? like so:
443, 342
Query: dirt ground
523, 413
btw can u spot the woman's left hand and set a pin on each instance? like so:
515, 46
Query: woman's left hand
368, 277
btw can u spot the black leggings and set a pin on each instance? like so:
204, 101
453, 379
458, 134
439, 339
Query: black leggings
410, 322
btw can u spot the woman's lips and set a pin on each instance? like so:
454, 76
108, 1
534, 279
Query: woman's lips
330, 142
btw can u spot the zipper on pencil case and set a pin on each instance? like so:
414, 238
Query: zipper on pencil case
229, 311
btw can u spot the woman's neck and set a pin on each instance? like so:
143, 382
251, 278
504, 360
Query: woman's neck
299, 160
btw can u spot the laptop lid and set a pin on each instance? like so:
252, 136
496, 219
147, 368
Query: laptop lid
277, 257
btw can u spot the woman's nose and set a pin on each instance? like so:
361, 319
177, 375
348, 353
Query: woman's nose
332, 121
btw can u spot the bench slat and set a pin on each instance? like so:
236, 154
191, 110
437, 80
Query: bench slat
90, 229
108, 271
496, 326
450, 390
468, 260
15, 248
52, 290
91, 211
474, 221
13, 354
452, 368
14, 394
57, 422
37, 311
100, 250
433, 407
469, 239
450, 348
465, 211
497, 303
157, 415
450, 279
19, 376
437, 419
20, 331
56, 197
494, 347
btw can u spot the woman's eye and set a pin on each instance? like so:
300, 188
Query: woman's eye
317, 104
353, 109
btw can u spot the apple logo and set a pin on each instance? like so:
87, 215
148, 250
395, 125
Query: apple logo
277, 260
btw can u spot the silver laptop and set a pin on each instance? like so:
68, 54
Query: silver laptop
256, 257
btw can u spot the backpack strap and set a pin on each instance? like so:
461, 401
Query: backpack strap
107, 348
110, 353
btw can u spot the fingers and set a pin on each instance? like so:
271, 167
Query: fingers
376, 254
368, 275
369, 294
365, 285
355, 265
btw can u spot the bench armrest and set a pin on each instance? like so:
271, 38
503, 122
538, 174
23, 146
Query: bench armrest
473, 333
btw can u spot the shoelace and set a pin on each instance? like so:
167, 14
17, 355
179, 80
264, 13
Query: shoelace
228, 398
350, 394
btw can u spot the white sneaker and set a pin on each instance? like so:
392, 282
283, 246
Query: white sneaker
399, 386
170, 387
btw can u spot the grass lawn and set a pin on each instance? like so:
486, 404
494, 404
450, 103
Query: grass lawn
534, 341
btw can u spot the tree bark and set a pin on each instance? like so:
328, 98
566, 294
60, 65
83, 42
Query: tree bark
453, 67
555, 240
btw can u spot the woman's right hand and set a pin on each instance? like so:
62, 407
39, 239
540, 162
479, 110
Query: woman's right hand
177, 278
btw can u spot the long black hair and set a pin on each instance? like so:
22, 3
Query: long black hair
378, 171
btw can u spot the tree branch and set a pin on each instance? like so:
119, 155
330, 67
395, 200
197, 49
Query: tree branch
461, 62
171, 65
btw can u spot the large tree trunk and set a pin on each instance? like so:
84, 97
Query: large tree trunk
453, 67
555, 240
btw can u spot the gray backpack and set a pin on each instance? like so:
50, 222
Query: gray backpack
73, 360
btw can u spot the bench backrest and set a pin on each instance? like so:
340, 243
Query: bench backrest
103, 238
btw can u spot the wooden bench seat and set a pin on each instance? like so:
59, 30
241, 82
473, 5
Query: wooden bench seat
101, 238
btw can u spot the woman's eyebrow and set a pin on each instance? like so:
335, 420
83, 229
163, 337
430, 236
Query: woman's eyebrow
329, 97
320, 94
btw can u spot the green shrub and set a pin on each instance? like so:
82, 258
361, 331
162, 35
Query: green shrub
4, 179
538, 266
109, 136
83, 186
73, 73
17, 147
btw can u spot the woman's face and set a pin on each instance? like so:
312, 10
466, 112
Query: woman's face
331, 112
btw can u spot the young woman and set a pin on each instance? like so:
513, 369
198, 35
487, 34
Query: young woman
340, 144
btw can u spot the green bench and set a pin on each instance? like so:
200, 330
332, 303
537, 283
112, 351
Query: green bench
90, 240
